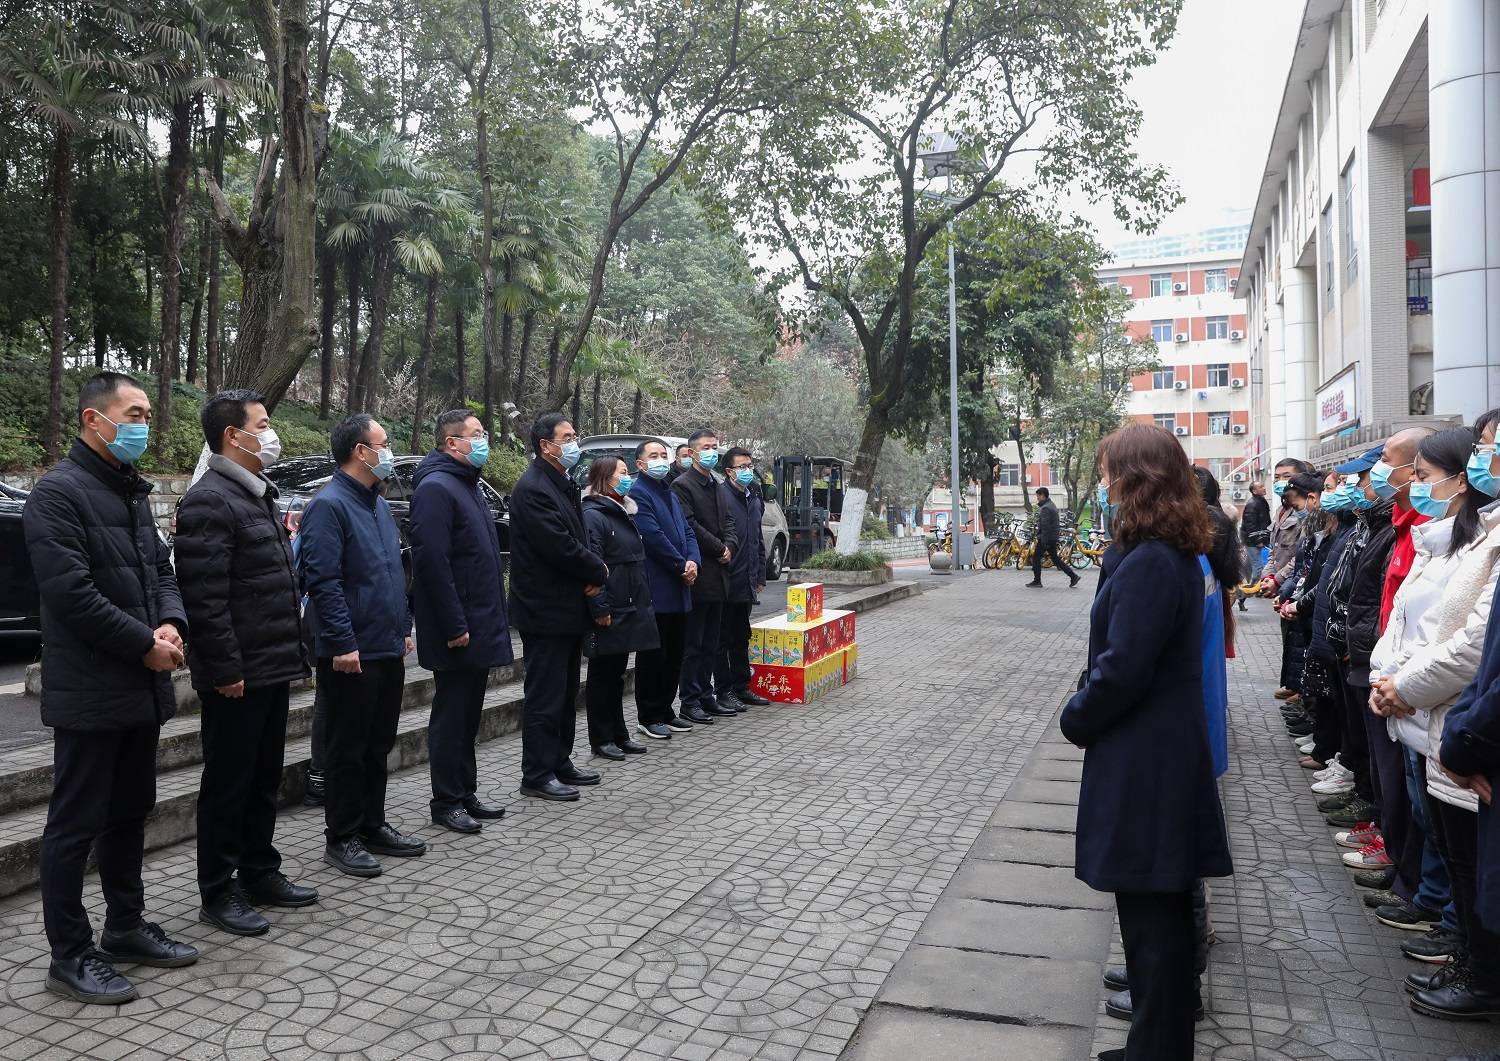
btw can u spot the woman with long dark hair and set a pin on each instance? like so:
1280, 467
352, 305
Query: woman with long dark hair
1144, 833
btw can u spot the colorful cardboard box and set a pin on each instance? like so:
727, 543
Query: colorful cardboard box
798, 685
851, 663
804, 602
780, 643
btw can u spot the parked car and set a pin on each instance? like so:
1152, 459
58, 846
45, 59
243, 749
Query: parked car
20, 603
773, 527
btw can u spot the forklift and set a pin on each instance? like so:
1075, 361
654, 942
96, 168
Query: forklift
810, 491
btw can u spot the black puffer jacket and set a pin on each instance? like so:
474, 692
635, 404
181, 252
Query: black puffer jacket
235, 562
106, 585
1048, 523
627, 595
1323, 595
1363, 613
713, 524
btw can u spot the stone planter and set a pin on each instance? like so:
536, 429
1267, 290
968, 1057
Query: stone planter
876, 577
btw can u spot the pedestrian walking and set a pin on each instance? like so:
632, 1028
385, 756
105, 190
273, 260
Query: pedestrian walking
112, 633
622, 615
240, 591
1142, 834
1048, 534
1255, 535
672, 562
458, 598
553, 573
747, 579
708, 513
357, 608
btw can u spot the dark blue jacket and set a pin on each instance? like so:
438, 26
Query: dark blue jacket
747, 566
551, 564
1323, 594
457, 584
1471, 745
670, 544
1142, 828
351, 565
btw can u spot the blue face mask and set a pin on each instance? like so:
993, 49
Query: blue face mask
744, 476
1423, 501
569, 454
1362, 503
623, 486
1479, 475
1101, 495
1279, 487
1336, 500
130, 441
687, 461
479, 451
385, 462
1380, 479
658, 468
709, 458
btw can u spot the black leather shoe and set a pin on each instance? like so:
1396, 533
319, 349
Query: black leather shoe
697, 715
351, 857
1415, 982
1073, 584
456, 820
1118, 1006
553, 790
719, 711
747, 696
312, 794
146, 944
387, 841
483, 810
273, 889
1115, 978
732, 702
1459, 999
632, 747
1301, 729
578, 777
232, 912
610, 751
91, 979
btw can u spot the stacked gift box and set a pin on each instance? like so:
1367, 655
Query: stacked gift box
807, 653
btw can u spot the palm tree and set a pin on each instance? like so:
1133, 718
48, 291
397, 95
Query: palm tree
423, 251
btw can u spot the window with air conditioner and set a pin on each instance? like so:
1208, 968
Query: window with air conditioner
1218, 375
1010, 475
1216, 328
1181, 432
1161, 331
1162, 379
1161, 284
1215, 281
1179, 289
1166, 420
1218, 423
1180, 385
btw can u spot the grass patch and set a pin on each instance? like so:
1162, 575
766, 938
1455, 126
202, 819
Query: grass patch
830, 560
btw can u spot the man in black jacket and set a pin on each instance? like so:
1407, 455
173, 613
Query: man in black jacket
1048, 532
1255, 534
235, 562
747, 578
713, 524
112, 626
553, 573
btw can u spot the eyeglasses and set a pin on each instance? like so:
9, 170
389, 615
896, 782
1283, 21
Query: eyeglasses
1485, 450
570, 437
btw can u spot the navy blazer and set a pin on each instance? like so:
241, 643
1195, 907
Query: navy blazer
1142, 828
670, 543
747, 566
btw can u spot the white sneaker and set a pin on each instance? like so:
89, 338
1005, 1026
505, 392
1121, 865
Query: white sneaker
1335, 770
1333, 786
1307, 746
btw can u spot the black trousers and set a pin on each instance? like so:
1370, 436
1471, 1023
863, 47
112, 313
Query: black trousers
1159, 937
1057, 561
1455, 831
551, 707
1328, 714
319, 730
605, 699
103, 787
1356, 737
658, 671
1403, 840
1293, 644
700, 646
244, 742
452, 729
732, 664
363, 712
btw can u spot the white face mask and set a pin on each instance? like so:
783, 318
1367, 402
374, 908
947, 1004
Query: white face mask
270, 446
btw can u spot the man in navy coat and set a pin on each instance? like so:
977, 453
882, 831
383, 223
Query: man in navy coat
458, 596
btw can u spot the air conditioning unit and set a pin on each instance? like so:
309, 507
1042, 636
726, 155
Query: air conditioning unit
1180, 337
1179, 289
1236, 336
1237, 495
1180, 385
1236, 383
1125, 289
1129, 340
1237, 429
1180, 432
1237, 477
1028, 480
1234, 283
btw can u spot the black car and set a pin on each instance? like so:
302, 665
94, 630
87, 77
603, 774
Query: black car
299, 478
20, 603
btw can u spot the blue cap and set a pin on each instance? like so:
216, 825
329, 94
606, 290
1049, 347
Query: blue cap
1363, 463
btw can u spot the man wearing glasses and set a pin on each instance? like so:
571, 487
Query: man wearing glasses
553, 573
459, 600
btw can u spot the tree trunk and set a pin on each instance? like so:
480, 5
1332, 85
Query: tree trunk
460, 356
577, 403
179, 160
487, 199
370, 359
213, 346
351, 368
635, 413
1021, 455
987, 498
195, 323
62, 220
328, 271
553, 356
424, 362
136, 359
507, 355
594, 412
528, 328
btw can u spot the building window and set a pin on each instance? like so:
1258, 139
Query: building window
1326, 226
1162, 379
1351, 244
1221, 467
1218, 423
1218, 375
1215, 280
1010, 475
1161, 331
1166, 420
1110, 282
1217, 328
1161, 284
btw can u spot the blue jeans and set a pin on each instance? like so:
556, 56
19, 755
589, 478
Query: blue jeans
1434, 893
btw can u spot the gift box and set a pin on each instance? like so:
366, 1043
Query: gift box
798, 685
851, 663
780, 643
804, 602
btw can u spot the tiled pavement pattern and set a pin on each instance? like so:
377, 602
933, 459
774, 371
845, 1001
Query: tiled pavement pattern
739, 892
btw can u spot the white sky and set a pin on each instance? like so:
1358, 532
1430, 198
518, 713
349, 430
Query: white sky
1209, 104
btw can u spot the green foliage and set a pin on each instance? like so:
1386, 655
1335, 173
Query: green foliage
505, 466
874, 529
831, 560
